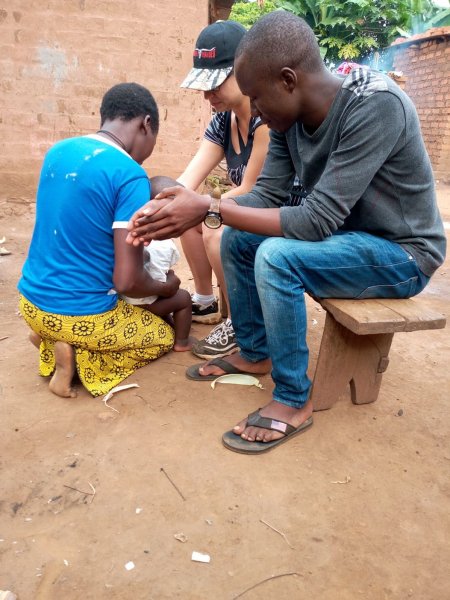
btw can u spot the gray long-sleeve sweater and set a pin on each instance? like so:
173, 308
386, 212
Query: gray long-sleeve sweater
364, 169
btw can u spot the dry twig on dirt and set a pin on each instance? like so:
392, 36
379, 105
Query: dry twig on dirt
346, 480
283, 535
264, 581
174, 485
82, 492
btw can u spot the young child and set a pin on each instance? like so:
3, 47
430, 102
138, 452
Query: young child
159, 257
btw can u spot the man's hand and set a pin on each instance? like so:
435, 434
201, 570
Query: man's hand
170, 214
140, 218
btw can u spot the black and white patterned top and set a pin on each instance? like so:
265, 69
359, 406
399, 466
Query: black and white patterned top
219, 132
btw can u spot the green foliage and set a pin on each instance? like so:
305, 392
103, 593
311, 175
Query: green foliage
352, 29
248, 13
430, 18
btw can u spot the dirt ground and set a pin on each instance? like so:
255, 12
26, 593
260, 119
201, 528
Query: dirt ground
358, 507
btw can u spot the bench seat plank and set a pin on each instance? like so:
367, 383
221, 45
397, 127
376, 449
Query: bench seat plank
372, 316
418, 316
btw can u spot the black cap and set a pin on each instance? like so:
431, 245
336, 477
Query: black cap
214, 55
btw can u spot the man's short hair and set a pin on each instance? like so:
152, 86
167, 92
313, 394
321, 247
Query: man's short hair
127, 101
281, 39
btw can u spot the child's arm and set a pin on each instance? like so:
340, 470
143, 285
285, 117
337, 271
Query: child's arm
131, 278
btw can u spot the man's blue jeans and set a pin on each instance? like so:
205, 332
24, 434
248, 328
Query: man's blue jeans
267, 278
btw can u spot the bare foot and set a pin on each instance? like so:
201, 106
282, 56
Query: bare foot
259, 368
277, 411
183, 345
35, 339
60, 383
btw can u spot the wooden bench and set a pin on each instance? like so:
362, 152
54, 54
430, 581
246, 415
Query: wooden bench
356, 341
355, 345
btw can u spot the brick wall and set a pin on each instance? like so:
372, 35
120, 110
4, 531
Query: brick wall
59, 57
425, 63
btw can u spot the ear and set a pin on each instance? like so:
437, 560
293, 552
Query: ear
147, 124
288, 79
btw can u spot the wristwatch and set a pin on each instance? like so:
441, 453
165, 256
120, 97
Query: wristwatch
213, 218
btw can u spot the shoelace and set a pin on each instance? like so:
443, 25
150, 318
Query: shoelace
220, 334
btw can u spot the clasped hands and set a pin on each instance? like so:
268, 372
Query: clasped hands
169, 214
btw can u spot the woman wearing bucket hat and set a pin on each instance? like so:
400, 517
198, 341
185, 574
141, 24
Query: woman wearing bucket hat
242, 140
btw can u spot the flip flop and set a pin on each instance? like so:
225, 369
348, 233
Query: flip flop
194, 373
234, 442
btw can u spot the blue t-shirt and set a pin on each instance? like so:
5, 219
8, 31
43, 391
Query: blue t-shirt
88, 186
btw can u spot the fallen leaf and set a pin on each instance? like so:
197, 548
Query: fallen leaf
237, 379
118, 388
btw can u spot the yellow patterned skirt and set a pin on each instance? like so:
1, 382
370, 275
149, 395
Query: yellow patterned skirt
109, 347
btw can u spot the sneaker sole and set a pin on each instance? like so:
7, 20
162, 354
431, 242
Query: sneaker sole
218, 354
211, 319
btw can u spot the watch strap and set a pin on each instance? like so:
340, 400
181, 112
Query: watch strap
216, 197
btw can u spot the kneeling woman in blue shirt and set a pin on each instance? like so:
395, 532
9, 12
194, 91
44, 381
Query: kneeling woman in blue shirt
79, 263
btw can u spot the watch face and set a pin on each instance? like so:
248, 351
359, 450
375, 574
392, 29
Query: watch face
213, 220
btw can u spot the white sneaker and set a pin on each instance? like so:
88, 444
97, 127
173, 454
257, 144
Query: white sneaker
208, 314
221, 341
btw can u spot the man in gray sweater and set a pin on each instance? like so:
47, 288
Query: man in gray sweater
368, 225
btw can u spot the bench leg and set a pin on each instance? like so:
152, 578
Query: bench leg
222, 305
346, 358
